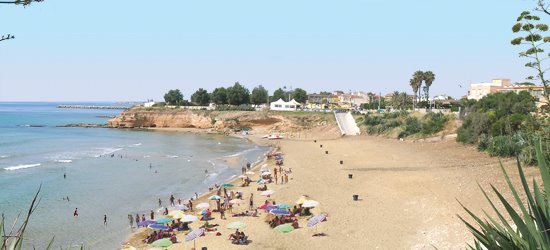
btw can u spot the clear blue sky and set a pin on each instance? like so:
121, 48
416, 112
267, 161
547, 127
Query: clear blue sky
67, 50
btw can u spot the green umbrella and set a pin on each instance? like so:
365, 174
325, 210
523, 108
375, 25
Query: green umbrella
162, 243
284, 228
284, 206
226, 185
164, 220
236, 225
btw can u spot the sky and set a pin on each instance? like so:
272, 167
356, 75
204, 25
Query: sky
104, 50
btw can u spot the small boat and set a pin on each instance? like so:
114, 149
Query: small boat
274, 137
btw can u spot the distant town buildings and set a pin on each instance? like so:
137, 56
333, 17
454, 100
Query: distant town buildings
337, 100
479, 90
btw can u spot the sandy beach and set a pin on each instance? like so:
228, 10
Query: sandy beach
408, 194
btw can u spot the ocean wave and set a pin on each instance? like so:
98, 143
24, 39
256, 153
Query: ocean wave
4, 156
135, 145
242, 152
172, 156
106, 151
22, 166
146, 156
64, 161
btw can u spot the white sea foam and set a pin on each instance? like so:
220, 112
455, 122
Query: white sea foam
22, 166
4, 156
242, 152
135, 145
146, 156
106, 151
172, 156
64, 161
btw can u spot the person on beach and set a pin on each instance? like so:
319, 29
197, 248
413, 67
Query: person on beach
75, 214
222, 214
248, 166
179, 201
286, 178
131, 219
105, 220
143, 217
152, 215
137, 220
165, 211
251, 206
282, 179
160, 203
68, 199
190, 205
172, 200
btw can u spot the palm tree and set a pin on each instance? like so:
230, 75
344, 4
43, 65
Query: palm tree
415, 86
429, 78
418, 76
371, 97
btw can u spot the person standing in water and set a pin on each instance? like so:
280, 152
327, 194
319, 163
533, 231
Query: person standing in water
75, 214
64, 175
160, 203
105, 220
131, 219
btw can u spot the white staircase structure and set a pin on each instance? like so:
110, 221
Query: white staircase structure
347, 124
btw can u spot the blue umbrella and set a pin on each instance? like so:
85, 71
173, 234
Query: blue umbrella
146, 223
284, 206
270, 207
316, 220
279, 212
158, 226
164, 220
193, 235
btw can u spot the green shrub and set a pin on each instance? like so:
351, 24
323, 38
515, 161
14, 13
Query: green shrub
433, 123
235, 108
504, 146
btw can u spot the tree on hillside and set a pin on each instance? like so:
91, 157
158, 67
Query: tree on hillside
299, 95
219, 96
534, 38
429, 78
201, 97
279, 94
238, 94
399, 100
259, 95
173, 97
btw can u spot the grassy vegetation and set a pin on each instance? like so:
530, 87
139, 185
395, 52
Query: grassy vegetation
405, 124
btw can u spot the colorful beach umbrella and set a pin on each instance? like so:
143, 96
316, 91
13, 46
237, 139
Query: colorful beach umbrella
316, 220
164, 220
236, 225
203, 205
194, 234
310, 203
146, 223
214, 198
267, 192
263, 206
279, 212
176, 214
158, 227
189, 218
226, 185
162, 243
270, 207
284, 228
284, 206
301, 200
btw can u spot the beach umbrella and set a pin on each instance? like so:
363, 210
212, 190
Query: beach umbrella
279, 212
316, 220
301, 200
164, 220
266, 173
226, 185
262, 181
146, 223
310, 203
174, 212
270, 207
214, 198
193, 235
236, 225
177, 215
236, 201
263, 206
181, 207
158, 226
189, 218
249, 173
203, 205
162, 243
267, 192
284, 228
284, 206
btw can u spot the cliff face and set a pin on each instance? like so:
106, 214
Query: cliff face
135, 118
223, 121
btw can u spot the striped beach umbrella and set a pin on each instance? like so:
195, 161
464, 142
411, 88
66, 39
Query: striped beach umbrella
193, 235
279, 212
316, 220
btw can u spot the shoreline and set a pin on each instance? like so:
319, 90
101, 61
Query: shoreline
135, 238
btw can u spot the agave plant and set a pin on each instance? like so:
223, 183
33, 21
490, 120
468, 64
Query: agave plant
531, 222
13, 240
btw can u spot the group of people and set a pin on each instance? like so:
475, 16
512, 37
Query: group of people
160, 235
238, 238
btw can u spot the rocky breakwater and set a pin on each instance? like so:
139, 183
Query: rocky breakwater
161, 118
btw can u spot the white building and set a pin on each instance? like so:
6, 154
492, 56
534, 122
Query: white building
281, 105
148, 104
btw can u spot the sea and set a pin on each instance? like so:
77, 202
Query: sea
101, 171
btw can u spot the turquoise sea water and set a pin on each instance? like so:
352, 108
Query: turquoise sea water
146, 166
